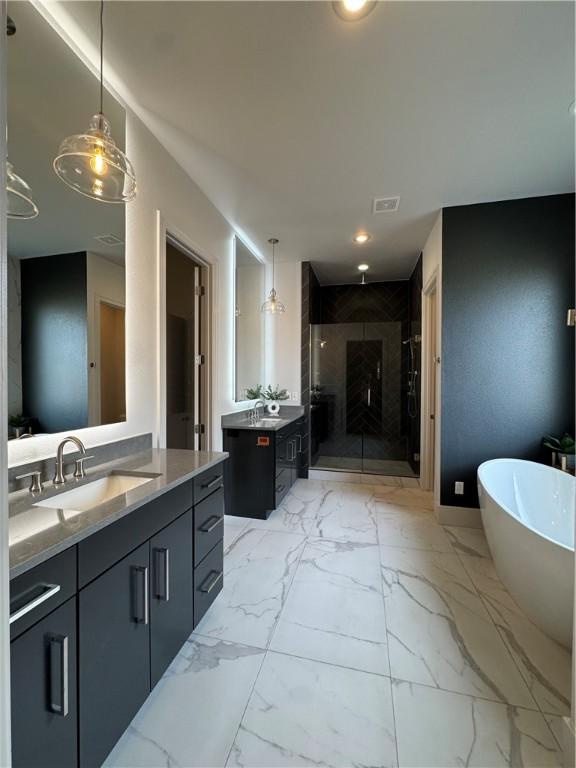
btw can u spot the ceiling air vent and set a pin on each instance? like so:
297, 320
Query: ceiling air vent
109, 240
385, 204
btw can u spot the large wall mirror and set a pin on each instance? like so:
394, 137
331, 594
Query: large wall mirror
66, 271
249, 326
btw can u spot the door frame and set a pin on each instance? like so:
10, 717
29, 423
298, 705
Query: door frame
168, 232
430, 438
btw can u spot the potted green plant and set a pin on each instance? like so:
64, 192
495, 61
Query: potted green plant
562, 448
254, 393
17, 423
274, 396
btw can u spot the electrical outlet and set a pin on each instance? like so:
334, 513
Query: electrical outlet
295, 396
459, 488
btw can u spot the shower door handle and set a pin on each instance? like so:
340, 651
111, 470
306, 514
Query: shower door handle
369, 397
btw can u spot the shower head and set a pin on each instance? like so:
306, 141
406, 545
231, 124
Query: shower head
406, 341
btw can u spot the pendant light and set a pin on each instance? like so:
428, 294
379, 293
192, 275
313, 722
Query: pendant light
19, 201
272, 306
90, 162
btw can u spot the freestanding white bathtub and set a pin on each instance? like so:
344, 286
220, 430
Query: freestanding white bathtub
528, 517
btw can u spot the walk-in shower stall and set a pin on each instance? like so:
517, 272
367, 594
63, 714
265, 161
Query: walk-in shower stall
363, 397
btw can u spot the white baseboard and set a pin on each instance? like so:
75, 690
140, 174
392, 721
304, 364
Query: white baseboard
569, 743
458, 516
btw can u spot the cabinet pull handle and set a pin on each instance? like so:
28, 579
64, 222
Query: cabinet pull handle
209, 526
140, 594
212, 483
369, 397
210, 581
299, 443
49, 590
162, 573
58, 677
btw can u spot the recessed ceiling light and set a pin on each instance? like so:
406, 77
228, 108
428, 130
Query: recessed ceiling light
363, 267
361, 237
352, 10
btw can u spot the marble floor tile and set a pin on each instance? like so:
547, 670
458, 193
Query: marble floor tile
346, 513
468, 541
193, 714
545, 665
439, 632
436, 728
335, 611
406, 497
558, 728
304, 713
258, 572
404, 527
233, 527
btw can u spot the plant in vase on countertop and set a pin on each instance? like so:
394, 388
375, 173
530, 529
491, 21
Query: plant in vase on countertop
254, 393
274, 396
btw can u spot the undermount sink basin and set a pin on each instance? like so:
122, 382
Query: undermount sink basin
97, 492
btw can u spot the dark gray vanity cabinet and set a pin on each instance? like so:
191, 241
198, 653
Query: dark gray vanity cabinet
44, 692
171, 593
114, 653
95, 627
262, 467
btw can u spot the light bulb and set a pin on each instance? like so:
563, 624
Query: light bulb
97, 187
98, 163
353, 6
361, 237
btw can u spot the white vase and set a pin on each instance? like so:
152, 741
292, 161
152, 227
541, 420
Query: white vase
273, 407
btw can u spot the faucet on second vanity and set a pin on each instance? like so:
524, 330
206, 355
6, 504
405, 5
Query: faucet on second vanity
59, 476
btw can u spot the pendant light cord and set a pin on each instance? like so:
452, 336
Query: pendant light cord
273, 276
101, 56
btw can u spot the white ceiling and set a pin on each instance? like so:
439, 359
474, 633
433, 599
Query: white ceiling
291, 120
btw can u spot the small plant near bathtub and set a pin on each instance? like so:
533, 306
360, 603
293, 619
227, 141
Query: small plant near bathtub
564, 446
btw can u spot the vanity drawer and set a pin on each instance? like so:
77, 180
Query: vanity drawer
104, 549
40, 590
208, 524
208, 482
208, 581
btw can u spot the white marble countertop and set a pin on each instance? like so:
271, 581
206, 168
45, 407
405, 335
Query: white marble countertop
37, 533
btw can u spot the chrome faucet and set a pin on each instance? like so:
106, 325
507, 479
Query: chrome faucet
253, 415
59, 476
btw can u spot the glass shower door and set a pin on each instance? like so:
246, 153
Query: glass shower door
336, 406
358, 419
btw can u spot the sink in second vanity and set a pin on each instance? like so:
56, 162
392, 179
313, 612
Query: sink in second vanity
97, 492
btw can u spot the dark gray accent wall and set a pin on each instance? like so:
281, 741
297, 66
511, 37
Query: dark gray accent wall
370, 303
54, 341
507, 353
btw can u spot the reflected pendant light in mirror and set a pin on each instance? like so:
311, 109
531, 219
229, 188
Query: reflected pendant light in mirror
90, 162
19, 201
272, 305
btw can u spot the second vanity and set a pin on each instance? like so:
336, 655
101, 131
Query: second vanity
103, 596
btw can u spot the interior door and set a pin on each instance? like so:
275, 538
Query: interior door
183, 338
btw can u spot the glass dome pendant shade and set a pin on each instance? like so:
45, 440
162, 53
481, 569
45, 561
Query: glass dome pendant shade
93, 165
19, 201
90, 162
273, 305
